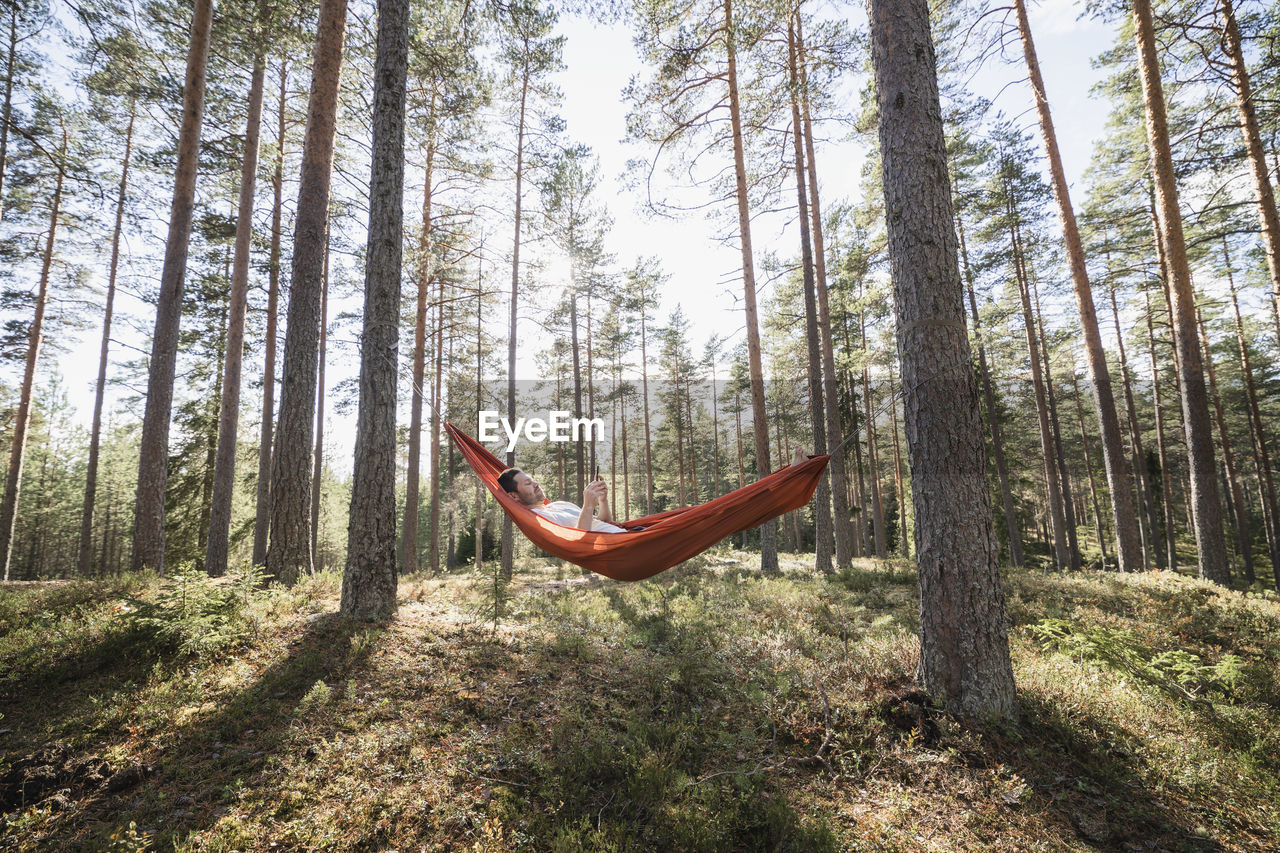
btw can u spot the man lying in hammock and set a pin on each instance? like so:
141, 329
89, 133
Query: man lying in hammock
595, 497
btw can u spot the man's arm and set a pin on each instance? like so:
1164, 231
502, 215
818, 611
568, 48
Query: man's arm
604, 514
590, 498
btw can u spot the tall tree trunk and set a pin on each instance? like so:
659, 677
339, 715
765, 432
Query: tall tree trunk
508, 542
369, 582
211, 433
6, 111
1263, 455
153, 455
480, 489
1268, 217
1061, 556
1128, 541
1206, 506
433, 516
409, 536
860, 544
1059, 457
318, 467
262, 512
85, 556
1166, 482
289, 551
873, 462
988, 394
823, 534
1145, 498
715, 435
769, 530
1088, 468
964, 648
1244, 537
35, 337
903, 539
580, 461
831, 404
215, 556
644, 393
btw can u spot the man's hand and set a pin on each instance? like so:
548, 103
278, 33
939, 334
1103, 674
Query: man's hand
595, 493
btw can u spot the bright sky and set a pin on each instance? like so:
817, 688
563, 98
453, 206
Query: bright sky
599, 61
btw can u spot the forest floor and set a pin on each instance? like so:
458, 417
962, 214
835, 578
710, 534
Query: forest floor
707, 709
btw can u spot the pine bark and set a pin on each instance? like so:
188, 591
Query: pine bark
215, 557
85, 556
289, 551
262, 511
769, 530
1202, 468
35, 337
964, 649
369, 582
153, 455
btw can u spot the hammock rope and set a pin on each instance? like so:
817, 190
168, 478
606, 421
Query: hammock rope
667, 538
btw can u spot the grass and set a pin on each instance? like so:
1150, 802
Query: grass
707, 709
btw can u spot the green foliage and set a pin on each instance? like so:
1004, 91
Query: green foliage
1176, 671
194, 615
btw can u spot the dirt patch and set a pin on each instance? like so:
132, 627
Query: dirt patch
55, 773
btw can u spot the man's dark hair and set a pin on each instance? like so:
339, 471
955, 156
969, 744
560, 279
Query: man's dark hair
507, 479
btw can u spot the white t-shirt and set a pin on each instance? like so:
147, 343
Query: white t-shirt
566, 513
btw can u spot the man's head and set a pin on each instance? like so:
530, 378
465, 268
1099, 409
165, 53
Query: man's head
522, 487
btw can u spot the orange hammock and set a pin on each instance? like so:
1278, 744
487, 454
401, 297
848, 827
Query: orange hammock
668, 537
